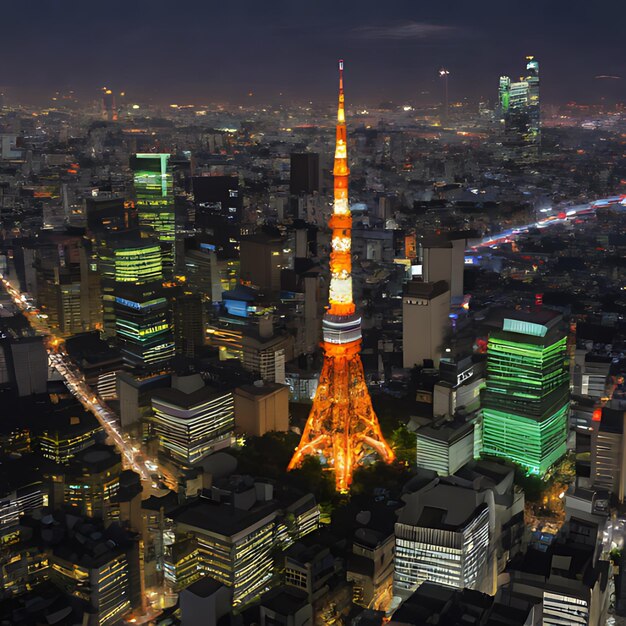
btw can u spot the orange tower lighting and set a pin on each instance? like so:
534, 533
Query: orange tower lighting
342, 427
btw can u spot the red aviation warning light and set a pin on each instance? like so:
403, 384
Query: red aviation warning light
342, 428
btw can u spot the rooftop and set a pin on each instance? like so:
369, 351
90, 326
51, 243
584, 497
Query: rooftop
205, 587
97, 458
259, 391
441, 506
184, 400
445, 431
420, 289
221, 519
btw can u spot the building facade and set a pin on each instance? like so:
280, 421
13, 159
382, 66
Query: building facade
526, 401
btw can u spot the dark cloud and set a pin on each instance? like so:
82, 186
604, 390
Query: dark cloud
406, 30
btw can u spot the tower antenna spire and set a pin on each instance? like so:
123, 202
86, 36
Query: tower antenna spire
340, 76
342, 427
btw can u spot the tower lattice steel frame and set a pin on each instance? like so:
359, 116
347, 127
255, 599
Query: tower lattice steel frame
342, 427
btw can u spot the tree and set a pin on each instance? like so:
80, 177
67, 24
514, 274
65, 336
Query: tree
403, 442
389, 476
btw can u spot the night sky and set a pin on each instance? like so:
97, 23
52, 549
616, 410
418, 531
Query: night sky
219, 50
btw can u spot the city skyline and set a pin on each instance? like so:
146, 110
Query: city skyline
221, 54
255, 372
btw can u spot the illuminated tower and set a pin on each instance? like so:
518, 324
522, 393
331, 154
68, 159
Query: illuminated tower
342, 427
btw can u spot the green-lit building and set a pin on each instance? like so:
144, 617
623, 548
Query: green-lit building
520, 112
136, 310
526, 401
154, 201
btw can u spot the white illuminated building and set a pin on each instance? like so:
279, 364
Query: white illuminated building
443, 536
190, 425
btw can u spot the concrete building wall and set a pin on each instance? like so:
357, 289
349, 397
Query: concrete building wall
423, 329
446, 264
261, 263
257, 414
30, 363
204, 610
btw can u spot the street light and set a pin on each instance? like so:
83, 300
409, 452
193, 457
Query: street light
444, 73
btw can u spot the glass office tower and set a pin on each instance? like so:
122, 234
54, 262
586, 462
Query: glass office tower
520, 112
154, 200
525, 408
534, 117
135, 304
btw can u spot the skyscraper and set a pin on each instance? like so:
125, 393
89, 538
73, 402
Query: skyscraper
262, 260
520, 111
342, 426
108, 214
425, 310
140, 310
525, 408
534, 111
109, 110
188, 321
217, 198
304, 176
154, 192
68, 286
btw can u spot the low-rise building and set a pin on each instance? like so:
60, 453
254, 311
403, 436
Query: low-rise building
261, 408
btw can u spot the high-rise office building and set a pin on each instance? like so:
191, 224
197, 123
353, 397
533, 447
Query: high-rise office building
66, 432
24, 487
98, 573
233, 546
135, 305
520, 110
191, 419
68, 286
304, 177
154, 199
109, 108
99, 361
135, 396
24, 261
262, 259
569, 580
202, 273
188, 321
608, 449
93, 480
107, 215
265, 352
445, 446
217, 198
125, 260
443, 536
261, 408
444, 259
526, 402
24, 364
425, 310
233, 537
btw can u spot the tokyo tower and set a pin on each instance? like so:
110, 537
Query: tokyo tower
342, 427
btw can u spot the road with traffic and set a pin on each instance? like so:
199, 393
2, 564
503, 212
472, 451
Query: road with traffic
76, 384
